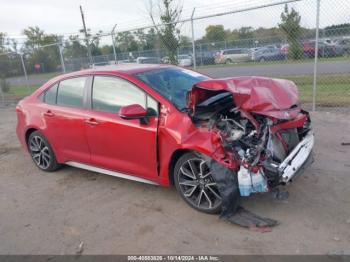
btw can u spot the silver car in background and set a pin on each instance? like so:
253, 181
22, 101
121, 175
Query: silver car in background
267, 53
230, 56
184, 60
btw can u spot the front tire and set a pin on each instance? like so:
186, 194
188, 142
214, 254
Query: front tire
195, 184
41, 152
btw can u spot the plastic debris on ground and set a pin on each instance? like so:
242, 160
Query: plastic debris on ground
227, 183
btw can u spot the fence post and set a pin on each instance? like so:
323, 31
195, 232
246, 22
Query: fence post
318, 2
25, 72
60, 48
2, 96
113, 44
193, 42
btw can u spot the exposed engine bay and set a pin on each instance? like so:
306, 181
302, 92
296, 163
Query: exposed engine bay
258, 142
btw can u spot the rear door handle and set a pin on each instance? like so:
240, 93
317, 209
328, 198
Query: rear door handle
49, 113
91, 121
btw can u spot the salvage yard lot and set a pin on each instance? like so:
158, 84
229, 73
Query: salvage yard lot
51, 213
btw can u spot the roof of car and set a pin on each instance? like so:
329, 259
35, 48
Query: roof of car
129, 69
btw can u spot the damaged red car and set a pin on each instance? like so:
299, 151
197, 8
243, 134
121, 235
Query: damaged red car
214, 139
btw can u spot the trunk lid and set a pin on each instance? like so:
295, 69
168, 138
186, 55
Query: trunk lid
267, 96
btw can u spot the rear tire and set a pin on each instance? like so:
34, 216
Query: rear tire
195, 184
228, 61
41, 152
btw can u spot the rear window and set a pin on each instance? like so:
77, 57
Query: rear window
234, 51
71, 92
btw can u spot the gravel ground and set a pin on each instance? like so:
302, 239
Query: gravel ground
52, 213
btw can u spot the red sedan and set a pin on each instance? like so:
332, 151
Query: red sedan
166, 125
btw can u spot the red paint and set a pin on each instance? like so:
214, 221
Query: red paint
299, 121
109, 141
132, 111
261, 95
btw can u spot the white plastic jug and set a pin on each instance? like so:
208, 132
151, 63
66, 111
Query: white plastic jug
250, 182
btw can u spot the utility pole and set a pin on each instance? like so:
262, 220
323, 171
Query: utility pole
86, 36
60, 49
193, 41
113, 43
25, 72
314, 88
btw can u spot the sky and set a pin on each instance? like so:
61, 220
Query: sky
63, 16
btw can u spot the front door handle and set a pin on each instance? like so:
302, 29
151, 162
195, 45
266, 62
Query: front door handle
48, 113
91, 121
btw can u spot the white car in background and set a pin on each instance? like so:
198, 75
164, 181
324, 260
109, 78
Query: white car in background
184, 60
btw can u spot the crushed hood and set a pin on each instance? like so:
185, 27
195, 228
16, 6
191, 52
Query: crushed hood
262, 95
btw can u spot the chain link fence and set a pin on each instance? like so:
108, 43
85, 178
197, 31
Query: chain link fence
306, 41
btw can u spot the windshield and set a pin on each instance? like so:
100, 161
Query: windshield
172, 83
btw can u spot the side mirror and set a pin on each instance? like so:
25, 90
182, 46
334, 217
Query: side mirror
134, 111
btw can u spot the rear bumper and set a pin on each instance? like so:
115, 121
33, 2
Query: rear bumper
299, 159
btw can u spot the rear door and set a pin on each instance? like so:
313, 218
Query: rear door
126, 146
64, 115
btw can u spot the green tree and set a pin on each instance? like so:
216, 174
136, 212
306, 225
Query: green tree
215, 33
337, 30
4, 65
10, 64
106, 49
168, 14
147, 40
290, 25
245, 32
93, 40
126, 42
73, 47
3, 42
39, 53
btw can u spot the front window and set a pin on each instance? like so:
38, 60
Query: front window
172, 83
109, 94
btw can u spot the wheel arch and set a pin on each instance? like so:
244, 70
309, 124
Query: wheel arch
32, 129
173, 160
28, 132
179, 153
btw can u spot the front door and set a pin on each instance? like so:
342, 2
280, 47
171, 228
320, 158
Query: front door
125, 146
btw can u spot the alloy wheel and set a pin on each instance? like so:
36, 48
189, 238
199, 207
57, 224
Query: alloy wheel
39, 151
197, 185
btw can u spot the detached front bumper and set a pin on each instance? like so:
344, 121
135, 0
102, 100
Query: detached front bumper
299, 159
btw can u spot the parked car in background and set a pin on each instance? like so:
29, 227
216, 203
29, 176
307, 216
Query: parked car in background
126, 61
230, 56
325, 49
205, 58
184, 60
147, 60
285, 49
268, 53
344, 44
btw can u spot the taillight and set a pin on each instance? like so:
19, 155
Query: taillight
19, 108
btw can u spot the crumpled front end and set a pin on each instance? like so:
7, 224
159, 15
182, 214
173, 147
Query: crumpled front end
261, 128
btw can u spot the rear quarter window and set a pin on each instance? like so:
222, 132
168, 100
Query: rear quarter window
71, 92
50, 95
